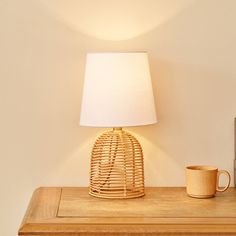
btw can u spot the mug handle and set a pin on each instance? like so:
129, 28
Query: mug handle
218, 189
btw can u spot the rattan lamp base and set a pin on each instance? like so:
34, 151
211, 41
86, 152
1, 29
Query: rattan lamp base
117, 166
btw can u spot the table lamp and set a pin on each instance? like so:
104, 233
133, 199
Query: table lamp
117, 93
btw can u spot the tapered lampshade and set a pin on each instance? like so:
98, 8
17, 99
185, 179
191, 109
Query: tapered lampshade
117, 90
117, 93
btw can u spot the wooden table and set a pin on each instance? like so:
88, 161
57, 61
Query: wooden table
162, 211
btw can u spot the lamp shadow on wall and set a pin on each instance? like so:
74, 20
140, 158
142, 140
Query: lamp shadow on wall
111, 20
77, 159
170, 144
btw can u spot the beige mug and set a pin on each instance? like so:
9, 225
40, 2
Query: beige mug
203, 181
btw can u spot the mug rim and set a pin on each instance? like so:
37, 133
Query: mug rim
201, 168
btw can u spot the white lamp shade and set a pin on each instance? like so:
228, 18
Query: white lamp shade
117, 90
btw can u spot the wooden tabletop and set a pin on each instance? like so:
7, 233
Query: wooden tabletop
162, 211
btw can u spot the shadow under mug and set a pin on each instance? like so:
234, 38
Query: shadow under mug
203, 181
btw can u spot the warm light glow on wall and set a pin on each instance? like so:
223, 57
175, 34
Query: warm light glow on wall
115, 20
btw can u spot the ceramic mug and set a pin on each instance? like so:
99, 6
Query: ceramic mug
203, 181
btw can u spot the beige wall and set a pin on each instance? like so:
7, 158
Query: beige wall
192, 57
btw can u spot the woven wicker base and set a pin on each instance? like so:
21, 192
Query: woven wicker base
116, 195
117, 166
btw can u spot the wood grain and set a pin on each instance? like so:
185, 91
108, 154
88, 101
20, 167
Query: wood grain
157, 203
163, 211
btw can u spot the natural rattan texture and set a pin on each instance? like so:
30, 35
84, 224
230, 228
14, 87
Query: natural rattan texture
117, 166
